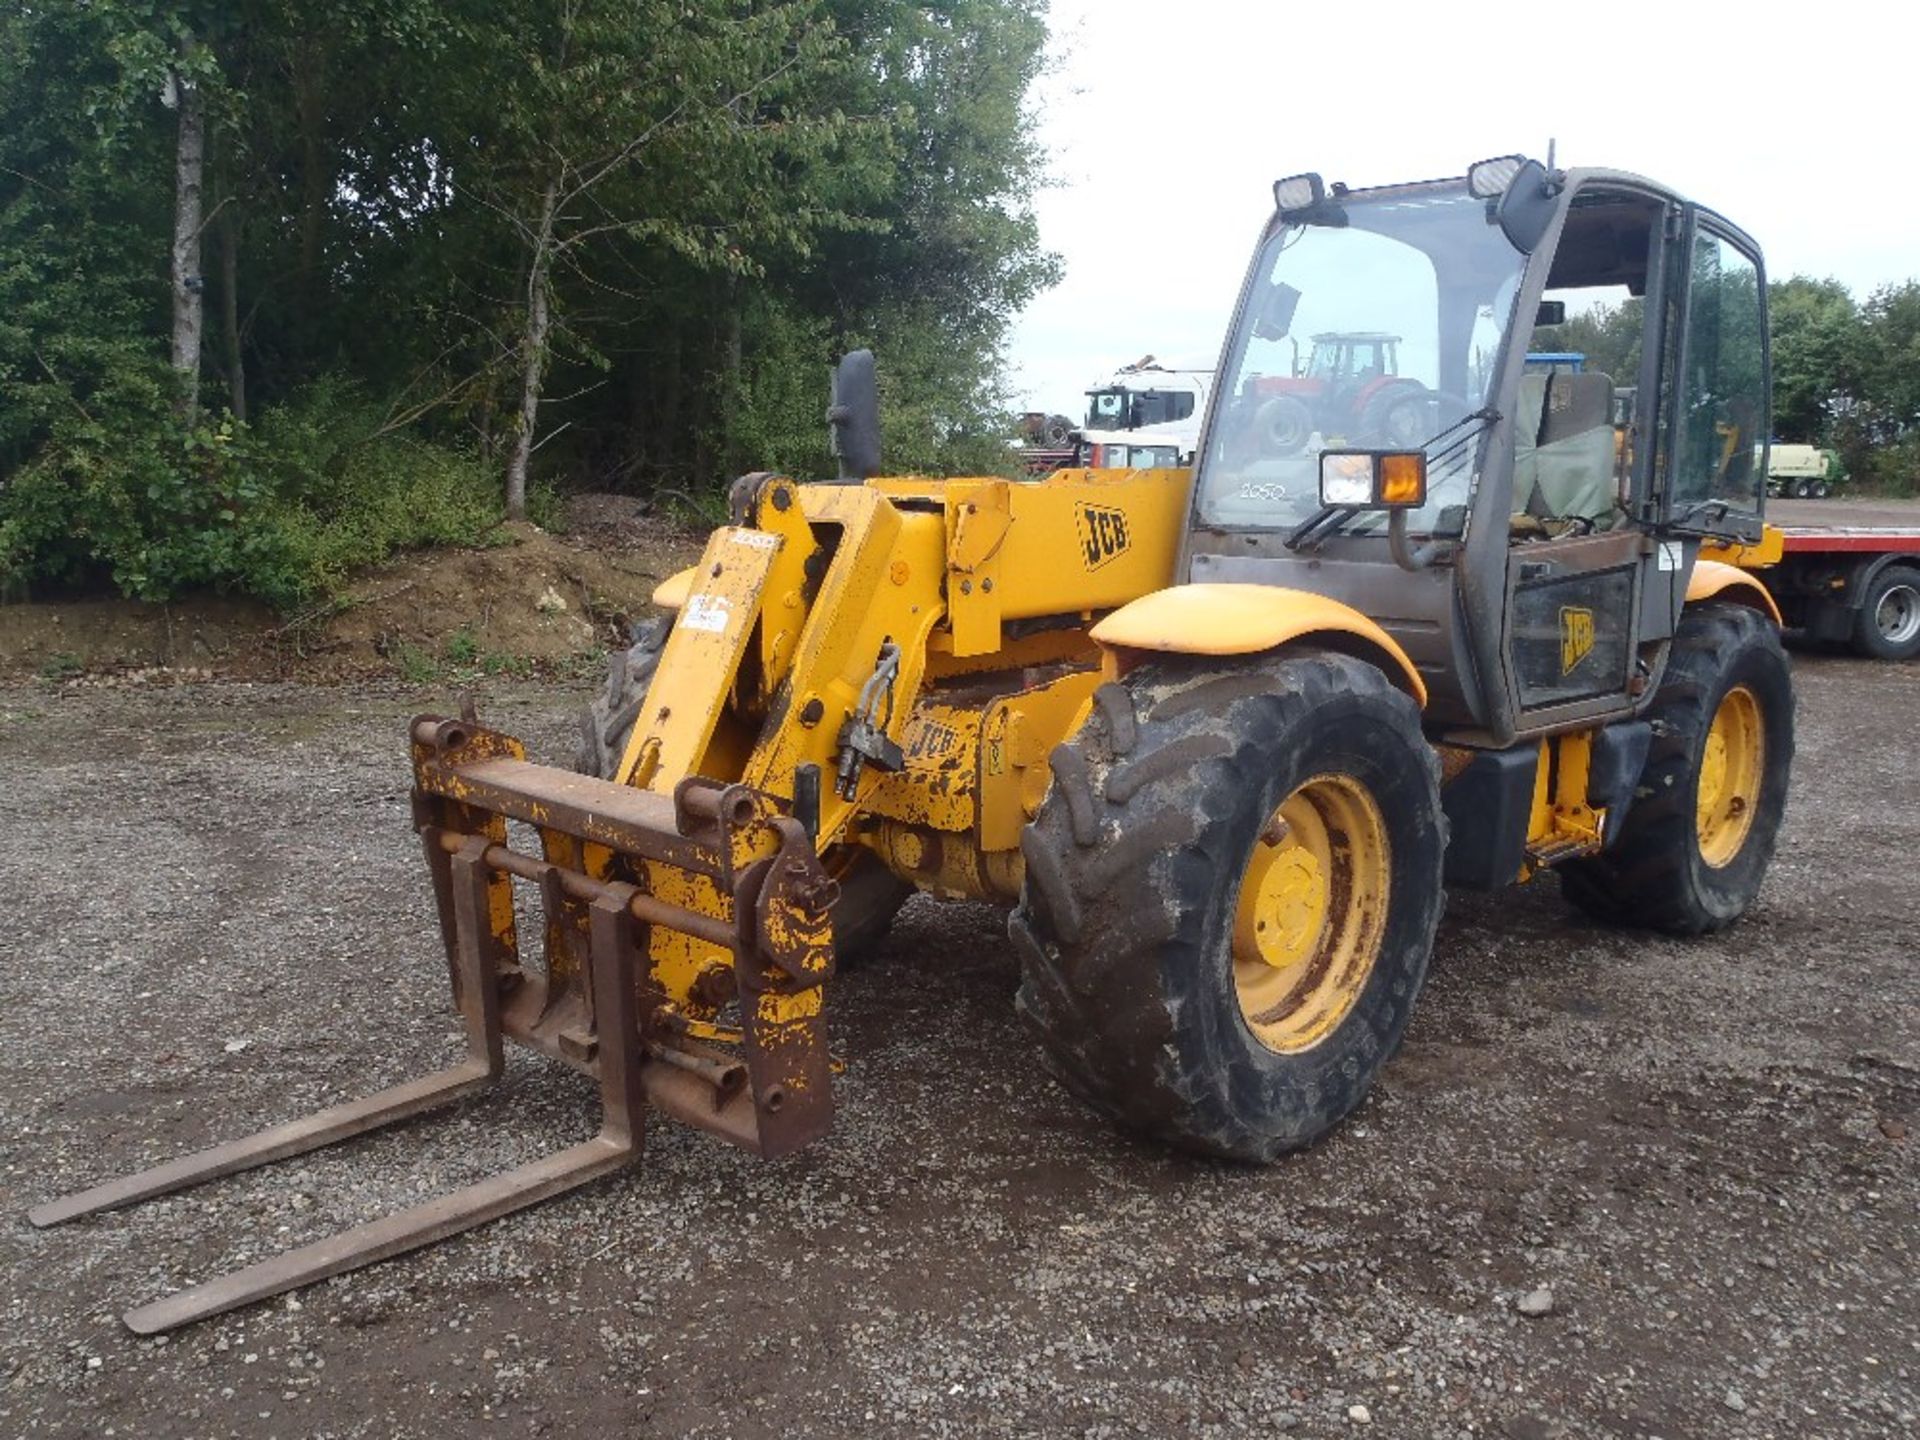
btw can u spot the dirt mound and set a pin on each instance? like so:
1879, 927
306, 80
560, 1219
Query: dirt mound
534, 602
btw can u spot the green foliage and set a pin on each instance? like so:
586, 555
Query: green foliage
461, 647
1608, 335
1816, 354
1892, 469
750, 189
286, 511
416, 666
1847, 374
61, 666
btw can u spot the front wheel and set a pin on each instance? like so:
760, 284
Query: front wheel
1696, 842
1230, 899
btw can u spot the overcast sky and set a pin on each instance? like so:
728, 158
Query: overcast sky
1167, 122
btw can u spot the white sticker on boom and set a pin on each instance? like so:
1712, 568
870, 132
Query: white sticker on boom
1670, 554
758, 539
705, 612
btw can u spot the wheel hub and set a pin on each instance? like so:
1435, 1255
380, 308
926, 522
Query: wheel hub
1732, 763
1898, 614
1311, 913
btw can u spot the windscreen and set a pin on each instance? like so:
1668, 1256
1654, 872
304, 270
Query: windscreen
1378, 325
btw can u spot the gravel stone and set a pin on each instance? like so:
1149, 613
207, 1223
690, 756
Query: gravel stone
1627, 1116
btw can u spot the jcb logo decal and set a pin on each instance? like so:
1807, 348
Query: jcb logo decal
929, 738
1103, 534
1576, 636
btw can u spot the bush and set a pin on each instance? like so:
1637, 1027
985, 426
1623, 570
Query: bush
123, 492
1891, 469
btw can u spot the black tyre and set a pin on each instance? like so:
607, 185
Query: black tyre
606, 724
1696, 842
1888, 624
1282, 426
1171, 957
1407, 416
870, 894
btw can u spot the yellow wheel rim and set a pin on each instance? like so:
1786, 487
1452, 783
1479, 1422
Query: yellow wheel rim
1311, 914
1731, 767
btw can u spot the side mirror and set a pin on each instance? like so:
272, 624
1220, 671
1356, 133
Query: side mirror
1525, 208
854, 416
1273, 311
1373, 479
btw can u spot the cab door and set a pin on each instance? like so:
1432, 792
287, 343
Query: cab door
1714, 484
1585, 588
1708, 479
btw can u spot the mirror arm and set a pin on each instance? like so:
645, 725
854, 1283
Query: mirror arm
1404, 555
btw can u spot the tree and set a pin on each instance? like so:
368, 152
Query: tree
615, 243
1608, 335
1816, 340
667, 124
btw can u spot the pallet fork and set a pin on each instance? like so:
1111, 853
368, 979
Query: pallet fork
606, 849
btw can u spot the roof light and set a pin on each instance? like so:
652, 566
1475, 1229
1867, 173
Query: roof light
1488, 178
1298, 192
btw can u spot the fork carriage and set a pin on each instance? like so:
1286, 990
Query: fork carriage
609, 856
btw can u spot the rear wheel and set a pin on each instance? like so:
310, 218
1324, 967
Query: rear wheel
1231, 895
1888, 625
1696, 842
1407, 417
1283, 425
870, 894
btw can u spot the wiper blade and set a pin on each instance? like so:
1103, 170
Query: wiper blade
1332, 517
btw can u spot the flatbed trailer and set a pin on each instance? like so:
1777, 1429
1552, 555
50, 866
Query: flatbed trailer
1853, 585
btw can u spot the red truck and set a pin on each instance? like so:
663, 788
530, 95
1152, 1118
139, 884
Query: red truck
1843, 572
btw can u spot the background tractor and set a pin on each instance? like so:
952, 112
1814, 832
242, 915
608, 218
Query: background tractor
1348, 388
1217, 738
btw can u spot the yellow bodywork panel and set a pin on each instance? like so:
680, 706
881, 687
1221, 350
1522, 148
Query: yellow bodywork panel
1079, 542
984, 588
679, 724
979, 517
1767, 550
983, 769
1713, 578
671, 593
940, 786
1231, 619
880, 586
1018, 735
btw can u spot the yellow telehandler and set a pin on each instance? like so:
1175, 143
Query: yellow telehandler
1218, 738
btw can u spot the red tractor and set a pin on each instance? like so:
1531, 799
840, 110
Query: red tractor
1350, 390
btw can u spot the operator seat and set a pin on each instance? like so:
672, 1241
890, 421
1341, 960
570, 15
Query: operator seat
1563, 448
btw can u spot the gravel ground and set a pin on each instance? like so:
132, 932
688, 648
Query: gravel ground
1701, 1149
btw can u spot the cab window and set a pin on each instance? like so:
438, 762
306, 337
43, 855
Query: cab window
1723, 409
